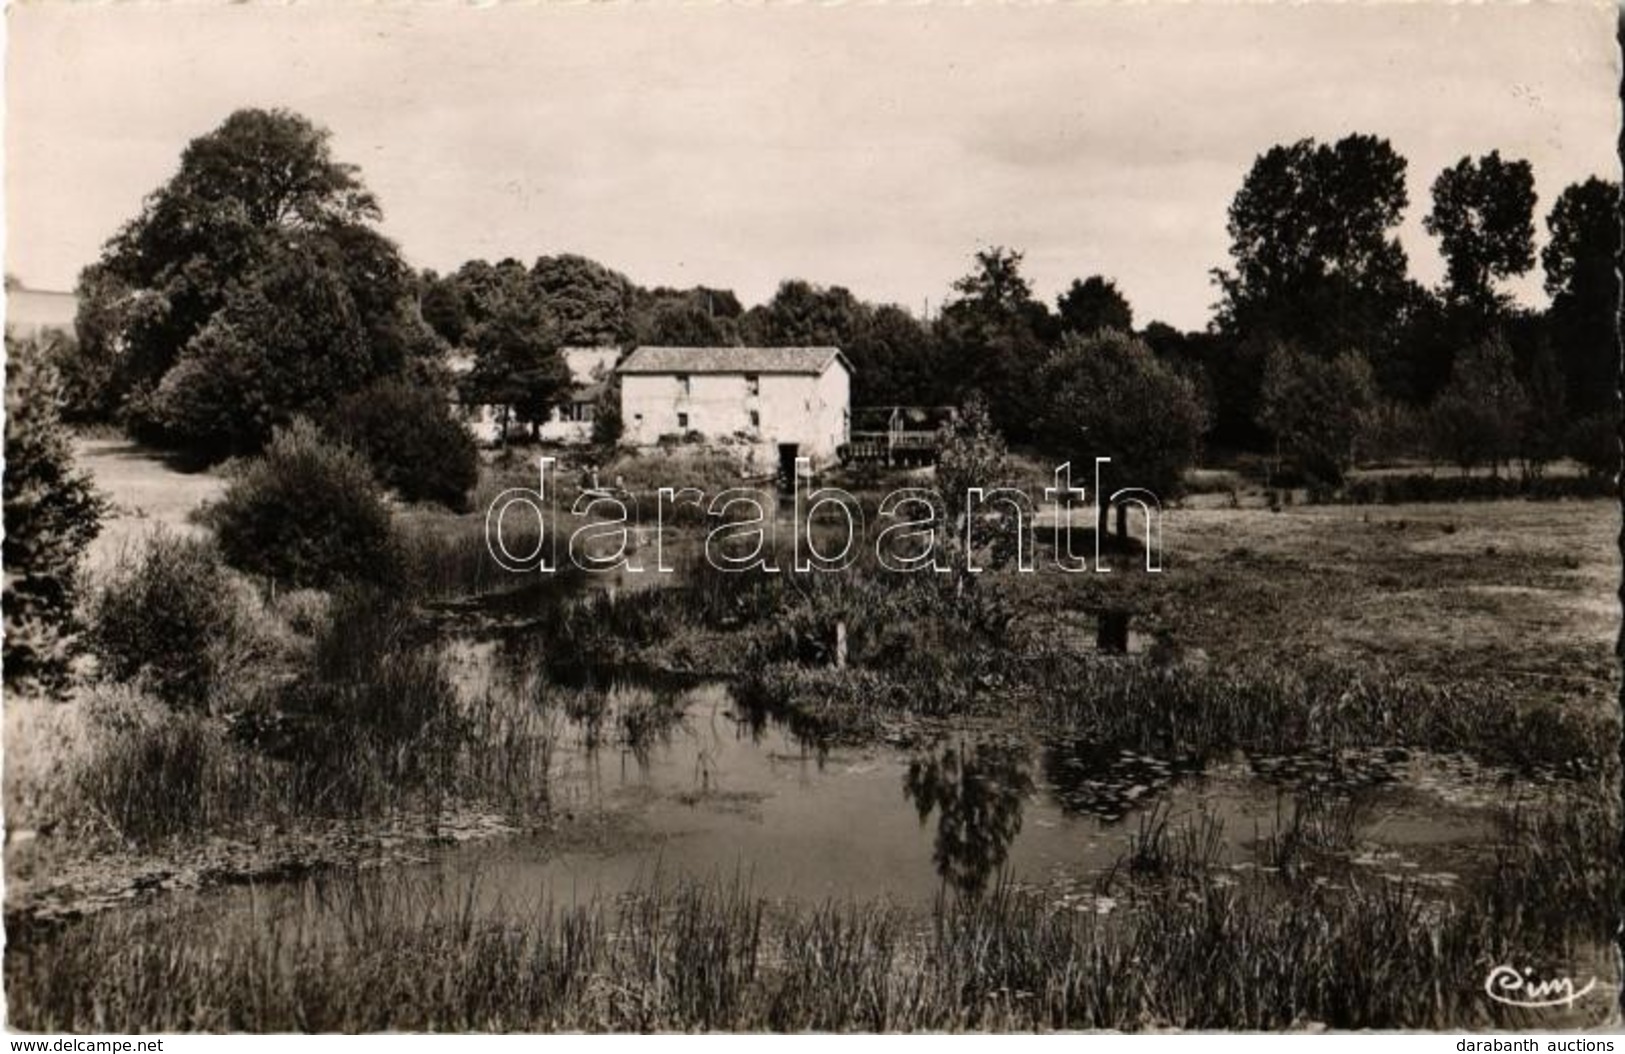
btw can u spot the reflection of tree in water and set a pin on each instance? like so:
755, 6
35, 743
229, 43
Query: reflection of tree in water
978, 790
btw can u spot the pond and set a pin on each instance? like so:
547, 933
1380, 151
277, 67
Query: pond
719, 793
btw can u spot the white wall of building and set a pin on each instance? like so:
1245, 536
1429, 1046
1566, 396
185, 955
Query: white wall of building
809, 411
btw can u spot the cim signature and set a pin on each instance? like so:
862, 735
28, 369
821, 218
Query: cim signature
1514, 987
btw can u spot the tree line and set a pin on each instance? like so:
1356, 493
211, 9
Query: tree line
253, 303
254, 287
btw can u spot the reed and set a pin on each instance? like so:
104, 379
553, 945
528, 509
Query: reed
357, 952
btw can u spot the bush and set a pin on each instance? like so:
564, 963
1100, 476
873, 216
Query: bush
1414, 488
1107, 395
306, 514
416, 446
179, 622
1593, 441
51, 515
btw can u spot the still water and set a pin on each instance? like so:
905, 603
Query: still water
720, 794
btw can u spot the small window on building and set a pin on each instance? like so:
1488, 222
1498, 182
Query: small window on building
753, 384
682, 419
755, 419
682, 383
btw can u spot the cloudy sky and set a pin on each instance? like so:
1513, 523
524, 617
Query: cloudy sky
872, 146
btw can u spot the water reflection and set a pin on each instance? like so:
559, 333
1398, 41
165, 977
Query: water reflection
978, 791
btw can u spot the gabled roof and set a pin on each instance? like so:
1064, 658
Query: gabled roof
812, 361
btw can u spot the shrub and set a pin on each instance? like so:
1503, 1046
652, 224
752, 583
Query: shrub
415, 444
179, 622
1107, 395
1593, 441
307, 513
1409, 489
51, 515
304, 611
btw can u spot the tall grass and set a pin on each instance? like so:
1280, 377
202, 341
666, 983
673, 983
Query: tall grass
1280, 709
371, 724
357, 953
451, 559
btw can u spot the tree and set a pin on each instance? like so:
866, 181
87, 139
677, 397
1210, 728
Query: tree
682, 323
895, 361
52, 513
444, 307
688, 318
288, 339
1317, 411
805, 315
517, 364
258, 211
1109, 396
1316, 262
995, 338
588, 303
1579, 260
410, 437
1483, 216
1478, 417
1095, 304
972, 454
1546, 423
607, 423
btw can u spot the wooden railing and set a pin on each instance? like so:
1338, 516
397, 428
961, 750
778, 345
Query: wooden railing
886, 445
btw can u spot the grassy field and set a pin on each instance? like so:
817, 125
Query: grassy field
147, 494
1525, 592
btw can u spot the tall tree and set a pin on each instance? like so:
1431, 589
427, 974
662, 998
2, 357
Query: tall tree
686, 318
444, 307
895, 361
1095, 304
517, 365
995, 337
806, 315
1315, 258
288, 339
1579, 261
259, 187
1483, 215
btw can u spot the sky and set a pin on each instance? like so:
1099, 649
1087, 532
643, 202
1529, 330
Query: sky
875, 146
